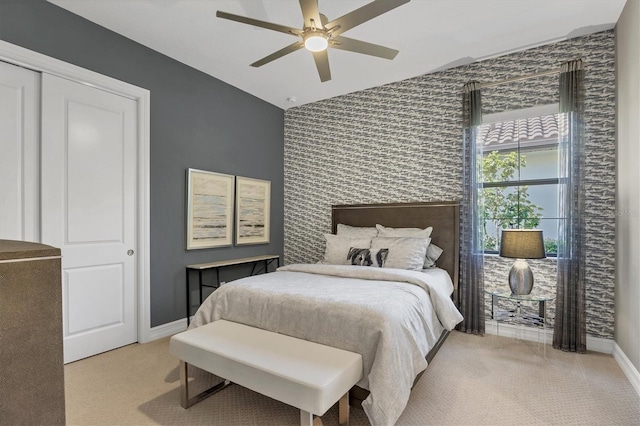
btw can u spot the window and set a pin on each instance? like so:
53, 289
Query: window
518, 183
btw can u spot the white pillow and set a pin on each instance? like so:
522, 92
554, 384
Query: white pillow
404, 253
384, 231
433, 253
356, 231
337, 248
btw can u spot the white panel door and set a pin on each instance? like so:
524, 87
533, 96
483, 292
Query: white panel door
89, 211
19, 149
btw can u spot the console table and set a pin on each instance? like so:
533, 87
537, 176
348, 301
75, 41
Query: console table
255, 260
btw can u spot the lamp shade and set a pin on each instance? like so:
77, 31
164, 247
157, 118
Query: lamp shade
522, 244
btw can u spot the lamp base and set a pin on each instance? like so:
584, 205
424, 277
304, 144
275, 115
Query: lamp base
520, 278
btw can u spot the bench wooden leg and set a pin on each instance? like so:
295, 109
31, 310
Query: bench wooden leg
343, 410
187, 402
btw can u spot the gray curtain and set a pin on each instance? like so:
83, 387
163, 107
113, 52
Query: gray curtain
570, 329
471, 250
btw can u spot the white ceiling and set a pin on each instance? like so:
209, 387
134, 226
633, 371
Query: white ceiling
431, 35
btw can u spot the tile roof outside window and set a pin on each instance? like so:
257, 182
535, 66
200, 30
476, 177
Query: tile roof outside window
529, 132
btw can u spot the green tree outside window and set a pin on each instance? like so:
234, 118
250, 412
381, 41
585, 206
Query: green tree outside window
501, 206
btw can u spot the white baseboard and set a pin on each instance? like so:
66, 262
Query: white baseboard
599, 344
168, 329
596, 344
627, 367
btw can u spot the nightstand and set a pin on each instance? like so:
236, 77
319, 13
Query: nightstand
517, 315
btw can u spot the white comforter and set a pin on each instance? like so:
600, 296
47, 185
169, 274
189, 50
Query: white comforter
392, 317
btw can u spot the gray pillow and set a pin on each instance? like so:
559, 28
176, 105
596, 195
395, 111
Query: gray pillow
433, 253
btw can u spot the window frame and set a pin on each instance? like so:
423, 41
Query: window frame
513, 115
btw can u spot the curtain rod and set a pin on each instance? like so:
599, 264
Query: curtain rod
524, 77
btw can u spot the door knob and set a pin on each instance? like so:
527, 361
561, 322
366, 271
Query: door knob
130, 252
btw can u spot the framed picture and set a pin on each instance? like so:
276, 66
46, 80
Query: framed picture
253, 205
209, 209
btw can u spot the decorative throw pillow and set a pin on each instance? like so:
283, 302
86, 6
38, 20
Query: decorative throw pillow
337, 248
367, 257
433, 253
404, 253
343, 230
384, 231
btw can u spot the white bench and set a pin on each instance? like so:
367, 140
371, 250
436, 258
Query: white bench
306, 375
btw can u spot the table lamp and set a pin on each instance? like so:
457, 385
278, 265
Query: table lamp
521, 244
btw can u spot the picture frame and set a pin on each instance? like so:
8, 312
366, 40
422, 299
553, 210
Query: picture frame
210, 203
253, 211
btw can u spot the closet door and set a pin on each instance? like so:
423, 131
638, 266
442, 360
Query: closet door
19, 146
89, 211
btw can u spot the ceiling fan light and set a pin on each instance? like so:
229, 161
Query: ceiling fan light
316, 42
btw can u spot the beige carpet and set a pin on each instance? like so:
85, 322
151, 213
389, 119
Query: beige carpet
472, 381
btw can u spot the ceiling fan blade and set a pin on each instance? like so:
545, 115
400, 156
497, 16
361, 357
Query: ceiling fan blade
279, 54
257, 23
310, 11
322, 63
357, 46
363, 14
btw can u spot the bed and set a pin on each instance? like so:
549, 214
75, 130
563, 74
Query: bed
396, 327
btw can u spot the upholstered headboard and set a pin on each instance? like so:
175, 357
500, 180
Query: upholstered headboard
443, 216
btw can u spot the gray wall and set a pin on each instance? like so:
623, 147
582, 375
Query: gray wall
402, 142
628, 196
196, 121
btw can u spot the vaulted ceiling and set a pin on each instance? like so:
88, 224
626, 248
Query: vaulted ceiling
431, 35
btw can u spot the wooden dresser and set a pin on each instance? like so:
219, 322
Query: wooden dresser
31, 353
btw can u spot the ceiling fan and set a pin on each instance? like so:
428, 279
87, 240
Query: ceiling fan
318, 33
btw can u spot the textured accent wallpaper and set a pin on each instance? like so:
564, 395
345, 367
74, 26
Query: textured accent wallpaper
402, 142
